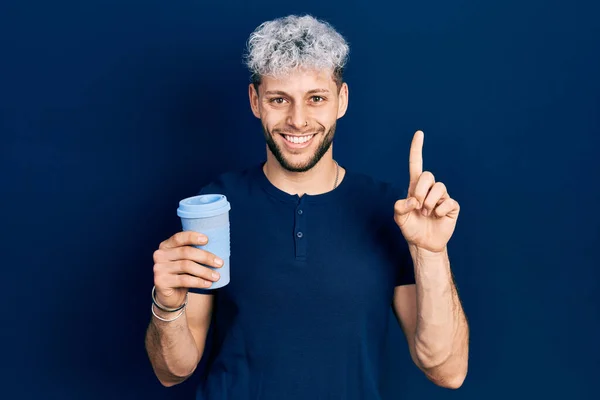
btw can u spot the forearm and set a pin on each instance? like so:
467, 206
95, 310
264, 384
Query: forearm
442, 333
171, 348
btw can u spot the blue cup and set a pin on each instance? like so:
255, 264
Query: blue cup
209, 214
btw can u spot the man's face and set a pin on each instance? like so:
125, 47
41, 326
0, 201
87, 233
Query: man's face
299, 115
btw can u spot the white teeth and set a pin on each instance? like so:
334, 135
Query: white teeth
296, 139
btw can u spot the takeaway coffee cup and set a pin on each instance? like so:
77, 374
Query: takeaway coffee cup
209, 214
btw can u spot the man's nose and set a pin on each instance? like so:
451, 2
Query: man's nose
298, 117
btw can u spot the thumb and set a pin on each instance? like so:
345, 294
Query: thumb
405, 206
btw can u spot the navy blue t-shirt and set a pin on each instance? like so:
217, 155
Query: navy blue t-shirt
306, 312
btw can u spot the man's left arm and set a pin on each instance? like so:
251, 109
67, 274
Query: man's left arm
430, 311
432, 318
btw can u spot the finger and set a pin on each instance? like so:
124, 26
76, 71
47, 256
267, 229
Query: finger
422, 187
197, 255
187, 253
184, 238
402, 209
415, 159
182, 274
405, 206
436, 193
189, 281
191, 268
447, 208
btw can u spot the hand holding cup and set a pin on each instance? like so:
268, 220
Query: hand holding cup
179, 266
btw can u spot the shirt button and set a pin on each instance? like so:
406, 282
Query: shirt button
299, 234
299, 212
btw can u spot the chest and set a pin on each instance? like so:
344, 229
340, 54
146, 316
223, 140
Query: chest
286, 256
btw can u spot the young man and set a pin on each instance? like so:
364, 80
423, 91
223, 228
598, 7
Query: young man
319, 253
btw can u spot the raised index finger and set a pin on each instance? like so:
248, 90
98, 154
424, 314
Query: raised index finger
415, 157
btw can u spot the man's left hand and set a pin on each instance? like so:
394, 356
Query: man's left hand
427, 217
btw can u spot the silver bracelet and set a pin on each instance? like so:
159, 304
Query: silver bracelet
163, 308
164, 319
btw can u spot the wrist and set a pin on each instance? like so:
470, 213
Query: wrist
161, 316
160, 305
420, 253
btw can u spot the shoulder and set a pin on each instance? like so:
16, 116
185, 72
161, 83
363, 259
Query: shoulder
230, 182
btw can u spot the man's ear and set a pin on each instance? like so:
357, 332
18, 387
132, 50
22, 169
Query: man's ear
253, 96
342, 100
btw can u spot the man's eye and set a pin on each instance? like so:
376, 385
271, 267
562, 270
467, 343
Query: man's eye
317, 99
277, 100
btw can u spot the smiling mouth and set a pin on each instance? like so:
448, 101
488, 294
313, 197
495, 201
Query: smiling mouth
298, 139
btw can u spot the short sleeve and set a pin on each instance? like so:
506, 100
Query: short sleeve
396, 244
406, 270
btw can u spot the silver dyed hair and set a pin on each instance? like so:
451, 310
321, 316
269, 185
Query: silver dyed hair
279, 46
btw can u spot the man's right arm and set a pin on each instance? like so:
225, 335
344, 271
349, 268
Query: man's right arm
175, 348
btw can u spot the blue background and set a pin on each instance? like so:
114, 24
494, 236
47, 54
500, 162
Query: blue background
112, 111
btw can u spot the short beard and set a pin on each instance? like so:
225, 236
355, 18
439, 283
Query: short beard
321, 150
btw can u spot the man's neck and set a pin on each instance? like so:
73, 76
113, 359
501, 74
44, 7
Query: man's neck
318, 180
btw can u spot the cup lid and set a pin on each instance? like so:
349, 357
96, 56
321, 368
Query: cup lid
203, 206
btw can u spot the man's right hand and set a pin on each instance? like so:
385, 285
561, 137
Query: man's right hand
179, 266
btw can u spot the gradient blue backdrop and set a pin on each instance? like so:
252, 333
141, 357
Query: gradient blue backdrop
112, 111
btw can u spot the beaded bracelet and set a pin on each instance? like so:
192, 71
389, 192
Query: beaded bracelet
163, 308
164, 319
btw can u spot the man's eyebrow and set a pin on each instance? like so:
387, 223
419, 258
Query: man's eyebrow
277, 92
318, 91
282, 93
